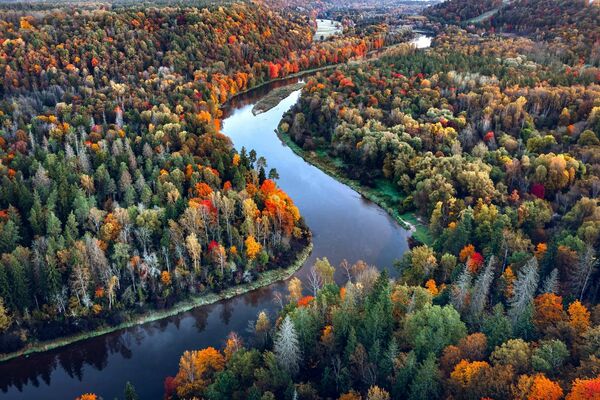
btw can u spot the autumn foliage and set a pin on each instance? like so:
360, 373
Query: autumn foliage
585, 389
196, 369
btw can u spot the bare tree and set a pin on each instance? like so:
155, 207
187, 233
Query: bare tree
345, 265
582, 273
314, 280
228, 210
278, 299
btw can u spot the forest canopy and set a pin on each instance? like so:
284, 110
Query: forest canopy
119, 193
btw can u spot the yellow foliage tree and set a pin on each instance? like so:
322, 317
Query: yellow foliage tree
465, 371
252, 247
295, 289
234, 343
579, 317
377, 393
5, 319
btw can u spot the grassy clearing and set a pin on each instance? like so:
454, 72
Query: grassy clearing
266, 278
384, 194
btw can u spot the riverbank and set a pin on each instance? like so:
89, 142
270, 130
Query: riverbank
275, 97
380, 196
265, 279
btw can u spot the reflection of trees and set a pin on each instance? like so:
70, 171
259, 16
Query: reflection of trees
200, 316
72, 363
120, 344
37, 369
21, 371
71, 359
254, 95
226, 312
262, 296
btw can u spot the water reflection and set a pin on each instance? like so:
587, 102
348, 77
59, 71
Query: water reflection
344, 226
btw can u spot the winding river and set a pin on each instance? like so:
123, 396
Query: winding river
344, 226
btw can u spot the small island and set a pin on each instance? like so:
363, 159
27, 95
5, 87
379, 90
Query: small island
274, 97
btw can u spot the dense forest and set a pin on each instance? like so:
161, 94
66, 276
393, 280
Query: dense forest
379, 340
495, 142
568, 29
454, 11
500, 157
119, 194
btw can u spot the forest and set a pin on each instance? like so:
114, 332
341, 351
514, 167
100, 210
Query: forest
566, 29
121, 196
492, 139
119, 193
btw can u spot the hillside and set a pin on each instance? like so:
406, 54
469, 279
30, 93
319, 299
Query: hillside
571, 29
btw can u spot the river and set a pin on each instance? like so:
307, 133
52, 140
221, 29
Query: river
344, 226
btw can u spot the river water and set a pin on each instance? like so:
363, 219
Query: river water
344, 226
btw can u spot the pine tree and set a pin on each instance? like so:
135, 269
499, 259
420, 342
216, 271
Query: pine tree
19, 283
426, 383
9, 237
36, 216
53, 280
53, 225
460, 290
524, 290
462, 233
287, 347
550, 284
5, 289
71, 229
481, 289
130, 393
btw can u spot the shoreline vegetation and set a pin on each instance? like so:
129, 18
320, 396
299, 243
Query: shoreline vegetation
264, 279
301, 74
274, 97
370, 56
419, 230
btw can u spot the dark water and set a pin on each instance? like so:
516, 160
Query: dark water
344, 225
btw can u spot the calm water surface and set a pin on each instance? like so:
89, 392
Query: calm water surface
344, 226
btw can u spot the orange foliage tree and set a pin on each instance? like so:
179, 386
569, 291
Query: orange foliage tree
88, 396
537, 387
196, 371
466, 252
585, 389
548, 311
